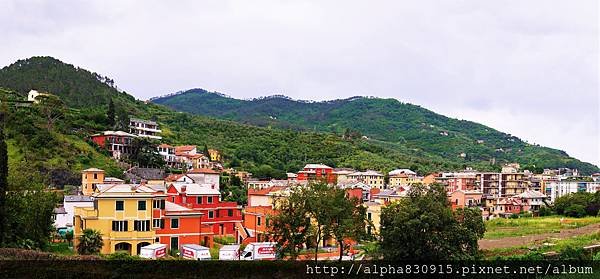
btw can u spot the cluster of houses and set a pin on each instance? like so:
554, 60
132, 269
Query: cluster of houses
175, 210
119, 145
151, 206
496, 194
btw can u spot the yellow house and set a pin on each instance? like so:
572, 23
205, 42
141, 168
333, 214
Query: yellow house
214, 155
90, 178
374, 216
404, 180
123, 215
371, 178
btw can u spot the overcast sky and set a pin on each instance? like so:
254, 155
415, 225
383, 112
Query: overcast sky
529, 68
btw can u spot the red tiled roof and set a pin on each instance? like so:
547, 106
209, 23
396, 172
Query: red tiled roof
264, 191
173, 177
203, 171
164, 145
183, 148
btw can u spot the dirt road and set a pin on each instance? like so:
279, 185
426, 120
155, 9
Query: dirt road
488, 244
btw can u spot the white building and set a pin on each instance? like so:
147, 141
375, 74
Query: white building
33, 94
556, 189
64, 214
144, 128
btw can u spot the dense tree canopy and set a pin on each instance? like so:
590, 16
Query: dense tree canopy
424, 227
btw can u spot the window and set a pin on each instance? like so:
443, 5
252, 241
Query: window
119, 206
229, 212
209, 199
141, 225
258, 220
95, 176
162, 204
369, 215
174, 223
211, 214
199, 200
157, 204
174, 242
173, 199
119, 226
141, 205
158, 223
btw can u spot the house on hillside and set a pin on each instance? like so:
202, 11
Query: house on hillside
144, 128
118, 143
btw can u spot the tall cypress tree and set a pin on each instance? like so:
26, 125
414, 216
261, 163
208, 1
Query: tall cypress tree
110, 114
3, 174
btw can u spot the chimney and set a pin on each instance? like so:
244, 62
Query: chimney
183, 188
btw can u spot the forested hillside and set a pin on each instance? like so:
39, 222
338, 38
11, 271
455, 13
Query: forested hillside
387, 120
270, 150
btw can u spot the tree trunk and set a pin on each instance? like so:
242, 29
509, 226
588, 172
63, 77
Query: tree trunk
318, 239
341, 247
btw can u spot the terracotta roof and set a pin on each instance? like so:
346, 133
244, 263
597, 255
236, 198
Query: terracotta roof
183, 148
173, 177
164, 145
203, 171
264, 191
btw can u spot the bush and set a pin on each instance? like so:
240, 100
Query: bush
575, 210
514, 216
122, 256
174, 253
545, 211
597, 257
571, 253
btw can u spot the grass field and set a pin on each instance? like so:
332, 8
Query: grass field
550, 244
500, 228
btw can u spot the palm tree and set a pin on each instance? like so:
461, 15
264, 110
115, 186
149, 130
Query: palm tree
90, 242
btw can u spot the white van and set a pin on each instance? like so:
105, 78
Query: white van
259, 251
229, 253
153, 251
195, 252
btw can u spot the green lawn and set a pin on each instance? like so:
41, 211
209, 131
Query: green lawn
500, 228
60, 248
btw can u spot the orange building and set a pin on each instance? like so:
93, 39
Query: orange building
90, 178
317, 172
177, 225
256, 223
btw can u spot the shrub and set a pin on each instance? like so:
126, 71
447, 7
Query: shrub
122, 256
514, 216
545, 211
174, 253
597, 257
571, 253
575, 210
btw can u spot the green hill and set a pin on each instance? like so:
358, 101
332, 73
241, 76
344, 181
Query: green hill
387, 120
269, 150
